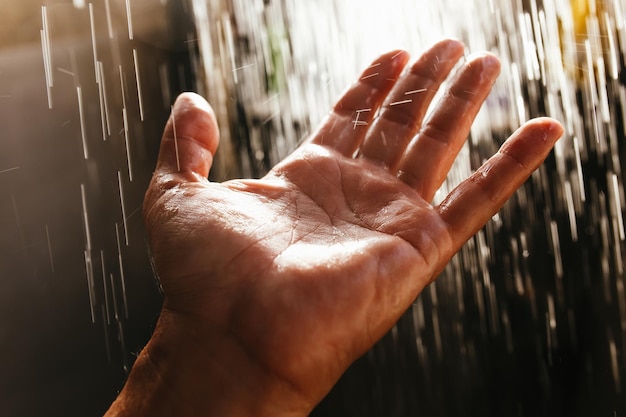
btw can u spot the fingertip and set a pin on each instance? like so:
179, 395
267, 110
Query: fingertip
190, 139
533, 141
544, 131
552, 129
395, 60
489, 64
396, 55
190, 100
450, 46
193, 117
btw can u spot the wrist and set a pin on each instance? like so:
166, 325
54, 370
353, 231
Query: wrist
181, 372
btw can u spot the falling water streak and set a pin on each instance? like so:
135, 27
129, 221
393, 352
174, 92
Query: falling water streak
49, 249
46, 57
437, 334
551, 314
579, 170
396, 103
175, 139
47, 54
139, 95
556, 248
614, 363
93, 43
480, 303
613, 66
591, 85
85, 217
125, 117
365, 77
116, 313
15, 212
9, 170
420, 90
105, 289
73, 65
603, 97
107, 8
418, 324
508, 334
538, 42
122, 339
617, 206
356, 122
271, 117
519, 97
90, 285
549, 346
82, 121
525, 26
551, 326
119, 181
550, 53
228, 35
243, 67
104, 95
130, 20
432, 290
126, 127
517, 273
107, 344
122, 279
121, 71
118, 321
571, 211
494, 310
103, 116
46, 43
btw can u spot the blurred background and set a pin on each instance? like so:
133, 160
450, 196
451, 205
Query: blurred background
529, 319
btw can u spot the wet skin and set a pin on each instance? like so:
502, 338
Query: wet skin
273, 287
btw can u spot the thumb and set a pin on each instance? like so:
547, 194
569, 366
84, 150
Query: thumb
189, 142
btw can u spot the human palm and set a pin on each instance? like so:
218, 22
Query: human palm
288, 279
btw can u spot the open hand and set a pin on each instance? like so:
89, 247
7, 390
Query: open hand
273, 287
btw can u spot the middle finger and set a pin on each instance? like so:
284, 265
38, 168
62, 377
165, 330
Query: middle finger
404, 108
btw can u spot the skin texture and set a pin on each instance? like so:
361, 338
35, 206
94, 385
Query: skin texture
273, 287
